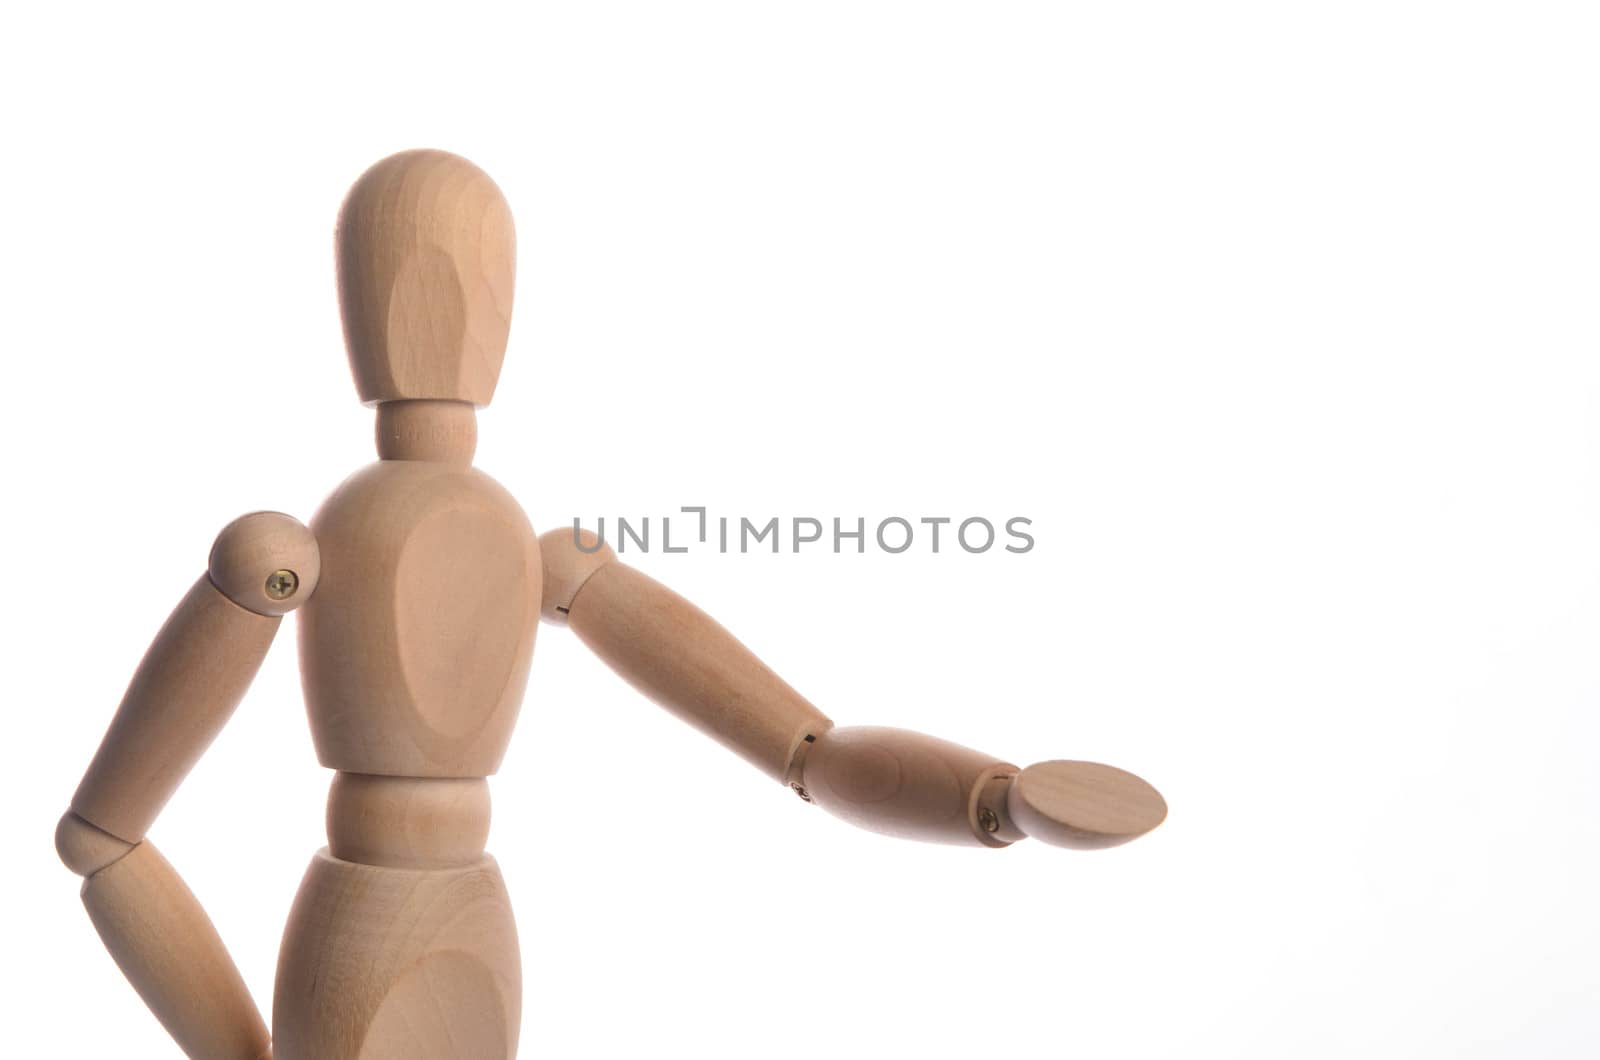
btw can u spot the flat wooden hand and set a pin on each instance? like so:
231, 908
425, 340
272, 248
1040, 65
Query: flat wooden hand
1083, 805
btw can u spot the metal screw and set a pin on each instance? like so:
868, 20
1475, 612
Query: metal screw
281, 584
801, 791
987, 820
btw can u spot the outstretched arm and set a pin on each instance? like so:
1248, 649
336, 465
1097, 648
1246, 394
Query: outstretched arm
194, 675
892, 781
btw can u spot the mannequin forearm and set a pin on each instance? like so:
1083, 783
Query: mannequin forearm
906, 784
161, 938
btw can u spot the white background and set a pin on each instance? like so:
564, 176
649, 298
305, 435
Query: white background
1279, 321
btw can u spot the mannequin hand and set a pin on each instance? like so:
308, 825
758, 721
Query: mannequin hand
1083, 805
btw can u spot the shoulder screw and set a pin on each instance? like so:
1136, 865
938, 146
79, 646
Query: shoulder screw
281, 584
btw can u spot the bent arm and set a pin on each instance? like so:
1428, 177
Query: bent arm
892, 781
185, 689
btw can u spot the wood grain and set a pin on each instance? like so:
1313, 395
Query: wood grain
190, 682
414, 653
567, 567
426, 256
252, 549
165, 944
682, 659
1084, 805
398, 964
85, 849
445, 431
187, 686
903, 783
408, 822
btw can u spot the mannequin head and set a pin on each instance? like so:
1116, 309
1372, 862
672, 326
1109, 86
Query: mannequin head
426, 259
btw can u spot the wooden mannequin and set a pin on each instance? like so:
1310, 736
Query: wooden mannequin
420, 586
